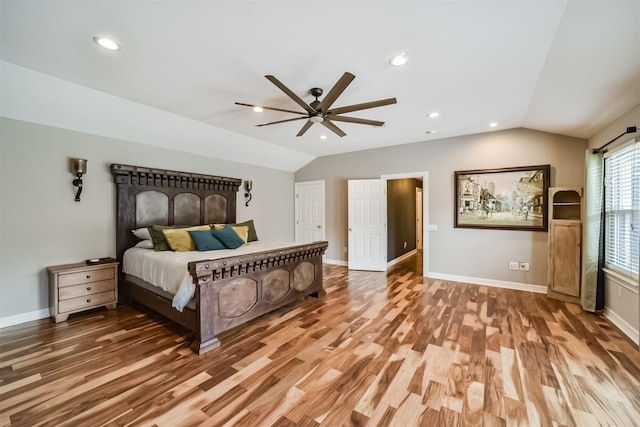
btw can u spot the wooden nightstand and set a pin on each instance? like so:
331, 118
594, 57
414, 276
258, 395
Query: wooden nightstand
78, 287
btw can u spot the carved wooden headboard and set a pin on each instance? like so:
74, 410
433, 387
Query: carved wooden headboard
147, 196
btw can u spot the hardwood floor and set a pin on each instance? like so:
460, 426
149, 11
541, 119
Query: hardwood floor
380, 349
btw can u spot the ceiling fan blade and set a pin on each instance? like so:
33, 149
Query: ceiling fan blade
290, 94
305, 128
363, 106
356, 120
280, 121
336, 91
272, 108
335, 129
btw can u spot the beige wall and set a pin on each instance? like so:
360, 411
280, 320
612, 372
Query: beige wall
42, 225
455, 251
615, 128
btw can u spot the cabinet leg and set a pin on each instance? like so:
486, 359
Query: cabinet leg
60, 318
111, 306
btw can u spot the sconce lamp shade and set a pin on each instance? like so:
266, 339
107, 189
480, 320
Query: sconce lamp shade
78, 166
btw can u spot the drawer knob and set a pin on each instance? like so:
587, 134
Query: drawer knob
88, 299
88, 288
88, 276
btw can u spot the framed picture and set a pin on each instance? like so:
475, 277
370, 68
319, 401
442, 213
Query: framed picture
505, 199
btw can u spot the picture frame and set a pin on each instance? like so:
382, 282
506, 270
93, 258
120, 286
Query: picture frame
503, 199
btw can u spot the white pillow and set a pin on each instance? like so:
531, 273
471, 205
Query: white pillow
142, 233
145, 244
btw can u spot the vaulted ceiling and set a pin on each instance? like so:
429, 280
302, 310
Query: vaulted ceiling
568, 67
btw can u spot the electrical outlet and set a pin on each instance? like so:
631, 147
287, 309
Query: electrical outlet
513, 265
404, 245
619, 291
346, 249
524, 266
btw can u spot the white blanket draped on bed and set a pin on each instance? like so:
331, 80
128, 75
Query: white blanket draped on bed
168, 270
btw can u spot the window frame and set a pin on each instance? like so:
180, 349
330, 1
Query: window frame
629, 270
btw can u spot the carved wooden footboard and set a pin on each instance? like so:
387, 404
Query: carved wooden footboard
232, 291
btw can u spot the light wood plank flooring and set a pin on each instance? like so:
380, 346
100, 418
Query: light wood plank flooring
380, 349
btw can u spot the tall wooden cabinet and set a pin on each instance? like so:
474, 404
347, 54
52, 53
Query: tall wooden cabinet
565, 243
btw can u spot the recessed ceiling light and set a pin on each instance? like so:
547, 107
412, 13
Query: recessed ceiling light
432, 115
323, 136
398, 60
258, 109
430, 131
492, 125
106, 43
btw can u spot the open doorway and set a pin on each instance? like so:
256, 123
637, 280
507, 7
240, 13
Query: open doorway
424, 177
419, 222
365, 230
404, 219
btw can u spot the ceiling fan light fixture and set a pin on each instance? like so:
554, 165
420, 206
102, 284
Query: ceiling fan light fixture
316, 119
398, 60
258, 109
106, 43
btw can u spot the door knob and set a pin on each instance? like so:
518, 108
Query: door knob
319, 226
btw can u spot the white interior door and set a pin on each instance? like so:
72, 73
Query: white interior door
309, 207
367, 224
419, 226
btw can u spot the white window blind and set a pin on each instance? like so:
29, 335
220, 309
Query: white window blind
622, 209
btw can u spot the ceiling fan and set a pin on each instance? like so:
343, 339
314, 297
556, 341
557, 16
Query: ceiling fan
320, 111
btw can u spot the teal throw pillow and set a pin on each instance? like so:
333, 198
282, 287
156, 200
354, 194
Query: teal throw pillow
206, 241
228, 237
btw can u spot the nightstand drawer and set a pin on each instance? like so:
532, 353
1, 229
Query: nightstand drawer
86, 289
85, 277
86, 301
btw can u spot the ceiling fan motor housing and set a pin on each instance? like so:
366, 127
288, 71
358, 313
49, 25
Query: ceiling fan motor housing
316, 92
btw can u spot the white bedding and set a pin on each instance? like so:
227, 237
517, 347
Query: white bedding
168, 270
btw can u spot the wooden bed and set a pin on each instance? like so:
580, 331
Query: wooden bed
229, 291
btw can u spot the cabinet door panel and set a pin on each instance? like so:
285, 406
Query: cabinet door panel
565, 258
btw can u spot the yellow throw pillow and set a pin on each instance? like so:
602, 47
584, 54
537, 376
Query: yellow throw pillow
180, 240
241, 230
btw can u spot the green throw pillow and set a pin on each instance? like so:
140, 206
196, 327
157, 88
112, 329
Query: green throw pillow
157, 237
252, 230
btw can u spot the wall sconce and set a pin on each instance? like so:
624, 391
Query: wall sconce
248, 186
78, 167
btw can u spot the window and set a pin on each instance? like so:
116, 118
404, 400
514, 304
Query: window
622, 209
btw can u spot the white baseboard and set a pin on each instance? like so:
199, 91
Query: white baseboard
623, 325
402, 258
490, 282
335, 262
24, 318
465, 279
